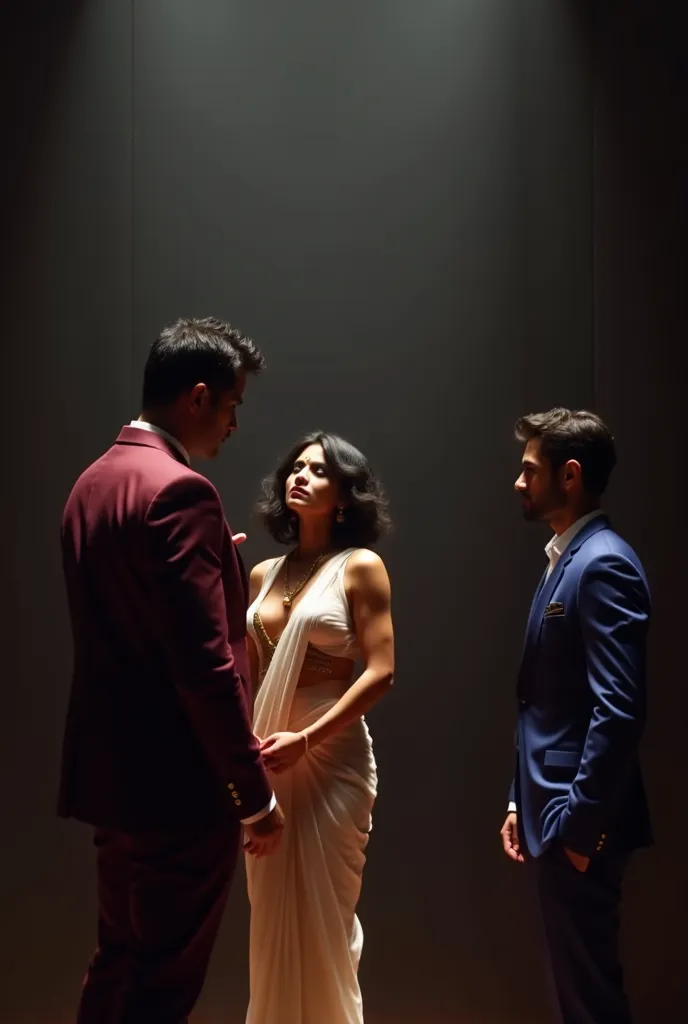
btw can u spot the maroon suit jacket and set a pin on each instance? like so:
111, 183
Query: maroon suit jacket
158, 732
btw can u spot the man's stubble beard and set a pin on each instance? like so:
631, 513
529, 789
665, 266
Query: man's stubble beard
535, 514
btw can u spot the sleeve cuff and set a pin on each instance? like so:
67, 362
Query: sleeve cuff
512, 808
261, 814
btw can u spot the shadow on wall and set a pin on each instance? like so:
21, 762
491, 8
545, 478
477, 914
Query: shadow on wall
641, 321
35, 47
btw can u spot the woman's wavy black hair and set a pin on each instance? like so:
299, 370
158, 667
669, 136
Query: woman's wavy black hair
366, 515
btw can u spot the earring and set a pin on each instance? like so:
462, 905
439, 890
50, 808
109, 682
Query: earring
340, 514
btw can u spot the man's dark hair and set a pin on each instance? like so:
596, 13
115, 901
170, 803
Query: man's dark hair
366, 515
193, 350
566, 434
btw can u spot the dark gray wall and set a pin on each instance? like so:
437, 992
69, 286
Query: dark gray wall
66, 367
382, 201
641, 317
396, 201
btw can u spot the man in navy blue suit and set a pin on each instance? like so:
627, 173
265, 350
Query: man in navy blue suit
577, 805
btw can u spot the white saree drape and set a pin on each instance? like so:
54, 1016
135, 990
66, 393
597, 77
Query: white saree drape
306, 940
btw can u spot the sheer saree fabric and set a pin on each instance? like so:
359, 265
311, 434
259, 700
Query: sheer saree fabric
306, 940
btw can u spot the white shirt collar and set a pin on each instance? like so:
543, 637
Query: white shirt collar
142, 425
559, 543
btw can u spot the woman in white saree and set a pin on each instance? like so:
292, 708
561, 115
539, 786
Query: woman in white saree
313, 614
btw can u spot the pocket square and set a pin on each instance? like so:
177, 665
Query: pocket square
555, 608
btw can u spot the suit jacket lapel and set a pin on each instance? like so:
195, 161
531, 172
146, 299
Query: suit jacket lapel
543, 596
534, 603
534, 627
541, 601
549, 584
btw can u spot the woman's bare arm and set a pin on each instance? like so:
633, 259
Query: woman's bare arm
369, 592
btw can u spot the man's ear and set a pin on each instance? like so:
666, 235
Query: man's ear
198, 396
571, 473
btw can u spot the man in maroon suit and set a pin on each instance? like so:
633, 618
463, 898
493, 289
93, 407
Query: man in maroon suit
159, 753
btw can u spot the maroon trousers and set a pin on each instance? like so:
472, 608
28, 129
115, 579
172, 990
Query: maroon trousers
160, 901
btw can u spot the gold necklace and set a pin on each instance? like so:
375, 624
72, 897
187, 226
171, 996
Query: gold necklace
291, 592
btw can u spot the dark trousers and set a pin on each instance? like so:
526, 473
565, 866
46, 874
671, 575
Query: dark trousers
160, 902
580, 915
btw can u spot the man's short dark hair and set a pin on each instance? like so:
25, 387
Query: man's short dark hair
566, 434
194, 350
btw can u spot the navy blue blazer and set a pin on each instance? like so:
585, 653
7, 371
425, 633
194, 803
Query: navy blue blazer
581, 692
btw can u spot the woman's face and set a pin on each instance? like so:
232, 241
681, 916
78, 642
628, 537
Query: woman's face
310, 490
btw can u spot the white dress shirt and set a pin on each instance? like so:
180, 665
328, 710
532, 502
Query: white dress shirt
554, 550
151, 428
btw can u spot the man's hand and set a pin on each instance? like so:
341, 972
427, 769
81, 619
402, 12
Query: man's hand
579, 862
264, 836
509, 834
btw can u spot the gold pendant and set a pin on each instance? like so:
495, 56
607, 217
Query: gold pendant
287, 602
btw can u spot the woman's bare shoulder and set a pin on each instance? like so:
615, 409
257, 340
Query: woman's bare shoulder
364, 558
258, 574
258, 571
365, 568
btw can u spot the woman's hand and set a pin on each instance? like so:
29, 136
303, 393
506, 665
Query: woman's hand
282, 750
